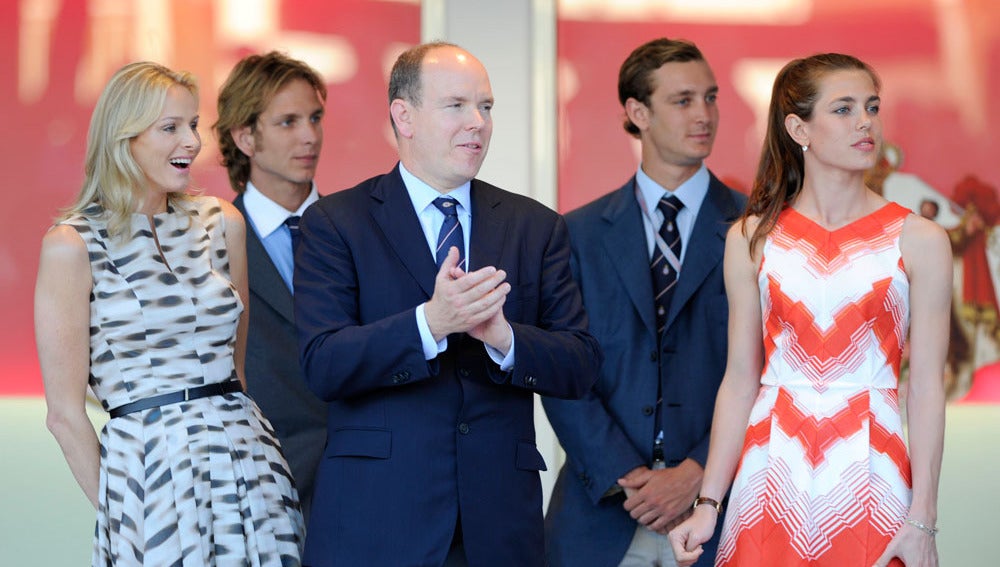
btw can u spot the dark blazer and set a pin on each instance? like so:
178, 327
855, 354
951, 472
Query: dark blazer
274, 379
611, 430
414, 445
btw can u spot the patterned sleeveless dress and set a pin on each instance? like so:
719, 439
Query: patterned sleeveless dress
195, 483
824, 479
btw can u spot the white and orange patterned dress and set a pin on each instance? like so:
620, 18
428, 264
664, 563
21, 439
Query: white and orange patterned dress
824, 479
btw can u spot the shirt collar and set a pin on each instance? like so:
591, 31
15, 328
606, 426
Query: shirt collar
691, 193
422, 195
265, 214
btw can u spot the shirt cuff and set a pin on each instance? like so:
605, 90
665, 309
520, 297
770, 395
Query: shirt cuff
505, 362
431, 347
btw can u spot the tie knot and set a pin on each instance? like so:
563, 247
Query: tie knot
292, 222
670, 206
447, 205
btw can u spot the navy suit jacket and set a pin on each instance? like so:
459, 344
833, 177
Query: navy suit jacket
274, 379
413, 445
611, 430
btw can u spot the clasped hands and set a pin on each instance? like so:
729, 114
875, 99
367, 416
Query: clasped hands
469, 303
660, 499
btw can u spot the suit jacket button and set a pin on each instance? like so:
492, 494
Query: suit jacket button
652, 355
648, 410
463, 428
530, 380
464, 372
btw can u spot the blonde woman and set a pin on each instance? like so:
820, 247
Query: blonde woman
140, 292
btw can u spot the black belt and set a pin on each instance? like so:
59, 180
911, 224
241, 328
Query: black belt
217, 389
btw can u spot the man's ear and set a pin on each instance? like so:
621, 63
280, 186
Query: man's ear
244, 139
400, 111
797, 129
637, 112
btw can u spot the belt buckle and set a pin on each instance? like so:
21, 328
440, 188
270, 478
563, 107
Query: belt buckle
658, 456
186, 394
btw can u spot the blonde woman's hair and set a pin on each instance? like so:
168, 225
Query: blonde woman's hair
131, 102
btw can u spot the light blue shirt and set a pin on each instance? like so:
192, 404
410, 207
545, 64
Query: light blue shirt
422, 197
691, 193
267, 219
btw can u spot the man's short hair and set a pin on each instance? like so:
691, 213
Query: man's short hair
635, 78
404, 80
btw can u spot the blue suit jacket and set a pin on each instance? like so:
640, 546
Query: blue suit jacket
415, 444
274, 379
611, 430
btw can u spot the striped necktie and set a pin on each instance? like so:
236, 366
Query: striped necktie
664, 282
451, 231
292, 222
664, 274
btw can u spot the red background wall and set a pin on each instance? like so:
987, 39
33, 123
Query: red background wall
938, 60
44, 136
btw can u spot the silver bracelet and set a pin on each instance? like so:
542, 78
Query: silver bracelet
922, 527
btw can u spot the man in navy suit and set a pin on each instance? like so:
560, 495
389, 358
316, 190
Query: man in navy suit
430, 307
270, 134
636, 445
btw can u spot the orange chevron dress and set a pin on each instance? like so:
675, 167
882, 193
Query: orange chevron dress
824, 479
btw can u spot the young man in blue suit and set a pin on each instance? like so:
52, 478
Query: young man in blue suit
431, 306
270, 133
637, 443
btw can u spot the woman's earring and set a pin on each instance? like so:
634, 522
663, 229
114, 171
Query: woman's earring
805, 148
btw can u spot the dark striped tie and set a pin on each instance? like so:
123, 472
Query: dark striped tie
664, 275
451, 231
292, 222
664, 282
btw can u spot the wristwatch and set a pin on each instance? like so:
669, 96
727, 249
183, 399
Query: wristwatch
706, 500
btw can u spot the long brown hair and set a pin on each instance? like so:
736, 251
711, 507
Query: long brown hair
782, 166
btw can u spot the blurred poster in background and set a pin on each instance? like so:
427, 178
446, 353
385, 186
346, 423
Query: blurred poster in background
60, 54
939, 61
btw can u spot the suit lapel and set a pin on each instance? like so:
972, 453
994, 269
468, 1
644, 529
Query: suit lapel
489, 226
393, 211
264, 280
708, 238
625, 243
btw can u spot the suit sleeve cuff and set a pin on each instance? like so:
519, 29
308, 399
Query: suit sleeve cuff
505, 362
431, 347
